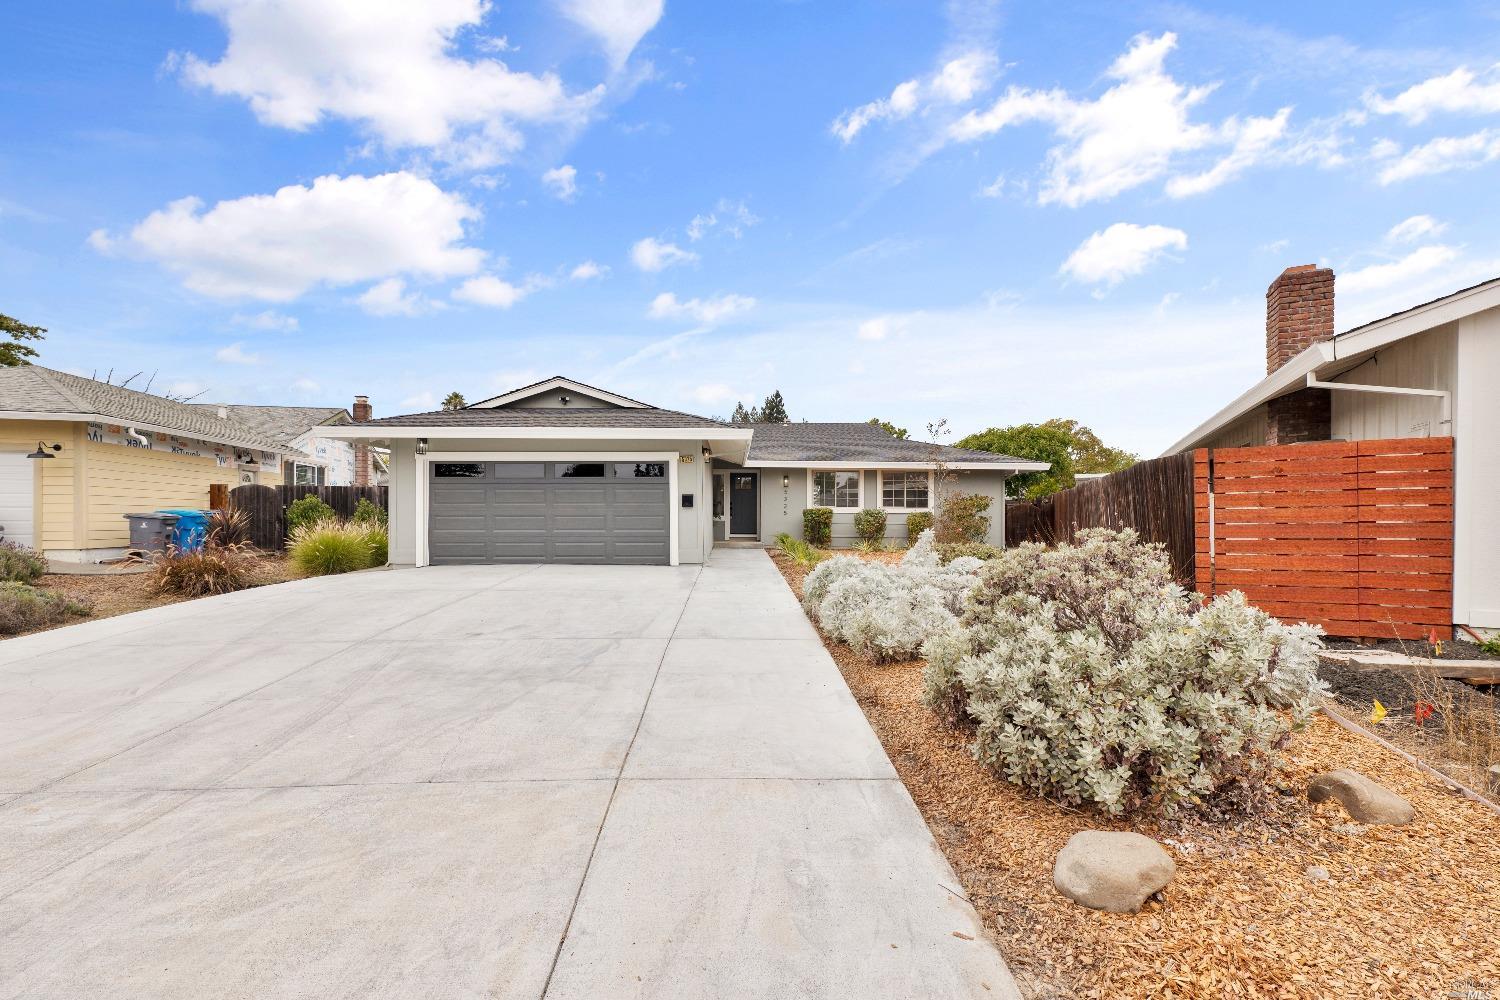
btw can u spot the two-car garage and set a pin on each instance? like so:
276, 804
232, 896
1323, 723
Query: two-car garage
612, 511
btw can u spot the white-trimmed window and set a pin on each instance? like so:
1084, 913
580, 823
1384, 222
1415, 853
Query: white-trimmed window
306, 474
836, 488
906, 490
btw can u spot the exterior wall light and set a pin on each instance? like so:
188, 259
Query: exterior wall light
42, 452
786, 481
421, 446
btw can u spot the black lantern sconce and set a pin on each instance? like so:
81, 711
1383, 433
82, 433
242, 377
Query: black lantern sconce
42, 452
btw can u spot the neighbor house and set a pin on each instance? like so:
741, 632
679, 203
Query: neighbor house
560, 471
1428, 371
77, 454
318, 461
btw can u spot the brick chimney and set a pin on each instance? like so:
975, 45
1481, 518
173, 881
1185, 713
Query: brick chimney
1299, 313
362, 412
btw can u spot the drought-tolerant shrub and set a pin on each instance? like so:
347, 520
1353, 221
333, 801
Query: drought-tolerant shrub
212, 569
306, 512
801, 553
24, 607
948, 551
817, 526
19, 564
380, 542
1092, 678
963, 517
886, 612
369, 512
227, 527
331, 546
916, 523
869, 525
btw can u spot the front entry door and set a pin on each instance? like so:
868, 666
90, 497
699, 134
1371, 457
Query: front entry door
744, 503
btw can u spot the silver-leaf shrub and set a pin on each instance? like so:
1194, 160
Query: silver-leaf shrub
886, 612
1092, 678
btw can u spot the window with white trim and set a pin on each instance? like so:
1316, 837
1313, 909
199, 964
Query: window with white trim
304, 474
906, 490
837, 489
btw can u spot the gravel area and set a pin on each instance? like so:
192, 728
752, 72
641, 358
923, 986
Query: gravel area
1453, 649
1406, 912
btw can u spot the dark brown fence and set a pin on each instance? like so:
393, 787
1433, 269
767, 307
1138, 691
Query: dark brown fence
1154, 497
267, 506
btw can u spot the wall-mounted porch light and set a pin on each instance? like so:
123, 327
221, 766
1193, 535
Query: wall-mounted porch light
42, 452
421, 446
786, 481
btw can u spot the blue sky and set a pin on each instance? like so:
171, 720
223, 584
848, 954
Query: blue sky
984, 212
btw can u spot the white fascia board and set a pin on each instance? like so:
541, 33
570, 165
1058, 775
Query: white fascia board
354, 432
99, 418
866, 463
1373, 336
1288, 377
557, 382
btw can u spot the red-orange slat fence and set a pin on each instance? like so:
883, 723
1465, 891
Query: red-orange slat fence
1355, 536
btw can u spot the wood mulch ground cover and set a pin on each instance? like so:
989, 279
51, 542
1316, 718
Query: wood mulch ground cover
1406, 912
121, 594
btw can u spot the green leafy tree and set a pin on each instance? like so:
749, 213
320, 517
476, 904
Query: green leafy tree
454, 401
899, 433
1034, 441
741, 415
1089, 453
14, 351
772, 411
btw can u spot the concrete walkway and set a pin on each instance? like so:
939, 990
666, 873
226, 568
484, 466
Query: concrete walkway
565, 782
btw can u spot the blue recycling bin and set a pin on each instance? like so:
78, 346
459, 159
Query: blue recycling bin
190, 531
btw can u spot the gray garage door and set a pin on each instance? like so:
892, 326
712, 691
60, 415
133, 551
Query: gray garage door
526, 512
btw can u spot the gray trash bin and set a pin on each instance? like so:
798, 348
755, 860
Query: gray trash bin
150, 532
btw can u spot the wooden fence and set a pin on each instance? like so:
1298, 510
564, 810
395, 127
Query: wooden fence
1154, 497
1354, 536
267, 506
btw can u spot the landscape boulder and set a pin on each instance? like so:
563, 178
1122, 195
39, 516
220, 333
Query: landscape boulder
1364, 800
1114, 872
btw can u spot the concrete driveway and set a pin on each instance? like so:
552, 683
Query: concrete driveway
581, 782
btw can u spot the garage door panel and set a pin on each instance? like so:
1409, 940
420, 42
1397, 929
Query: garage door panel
530, 512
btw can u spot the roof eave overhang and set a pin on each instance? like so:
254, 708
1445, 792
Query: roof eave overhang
1287, 378
402, 432
870, 463
100, 418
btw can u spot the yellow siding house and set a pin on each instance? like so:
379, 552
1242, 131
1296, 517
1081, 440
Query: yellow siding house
114, 451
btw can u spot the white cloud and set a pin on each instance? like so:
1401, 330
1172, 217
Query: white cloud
651, 254
994, 188
732, 217
713, 392
1459, 92
235, 354
339, 231
1121, 251
1415, 228
588, 271
268, 320
957, 81
563, 181
619, 25
496, 293
1131, 134
390, 298
1377, 276
1442, 155
878, 328
707, 311
386, 65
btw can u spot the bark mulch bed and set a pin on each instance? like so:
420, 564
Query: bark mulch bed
118, 595
1408, 912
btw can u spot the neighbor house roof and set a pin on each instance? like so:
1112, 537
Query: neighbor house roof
34, 392
862, 443
281, 423
541, 416
1327, 358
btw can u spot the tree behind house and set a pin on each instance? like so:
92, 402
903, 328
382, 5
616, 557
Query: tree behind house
454, 401
899, 433
14, 351
772, 411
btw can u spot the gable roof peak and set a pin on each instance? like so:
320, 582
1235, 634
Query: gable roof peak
517, 397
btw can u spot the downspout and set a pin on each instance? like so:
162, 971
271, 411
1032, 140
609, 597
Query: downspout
1444, 397
137, 436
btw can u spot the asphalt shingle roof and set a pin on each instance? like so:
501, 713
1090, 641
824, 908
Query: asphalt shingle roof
280, 423
851, 442
541, 416
34, 389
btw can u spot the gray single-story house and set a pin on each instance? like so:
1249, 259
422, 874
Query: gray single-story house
560, 471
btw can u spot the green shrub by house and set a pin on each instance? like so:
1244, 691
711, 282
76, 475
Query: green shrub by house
24, 607
330, 546
1094, 679
305, 513
368, 512
817, 526
869, 525
950, 551
916, 523
963, 517
212, 569
19, 564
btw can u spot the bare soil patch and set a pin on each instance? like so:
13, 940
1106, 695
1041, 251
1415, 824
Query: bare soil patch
1407, 912
120, 595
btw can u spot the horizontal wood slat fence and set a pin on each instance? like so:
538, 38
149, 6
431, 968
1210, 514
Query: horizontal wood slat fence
1355, 536
267, 506
1154, 497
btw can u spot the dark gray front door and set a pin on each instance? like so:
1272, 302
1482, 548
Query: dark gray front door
744, 503
526, 512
